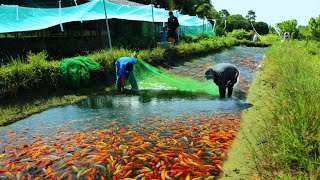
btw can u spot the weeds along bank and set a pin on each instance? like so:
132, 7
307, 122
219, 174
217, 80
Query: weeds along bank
291, 134
34, 72
35, 84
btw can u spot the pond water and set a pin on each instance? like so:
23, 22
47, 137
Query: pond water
153, 134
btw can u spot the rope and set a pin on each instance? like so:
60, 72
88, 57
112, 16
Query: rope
254, 29
214, 24
278, 30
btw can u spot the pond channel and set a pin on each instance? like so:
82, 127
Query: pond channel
151, 135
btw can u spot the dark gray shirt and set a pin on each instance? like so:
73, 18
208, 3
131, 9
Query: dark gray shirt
225, 74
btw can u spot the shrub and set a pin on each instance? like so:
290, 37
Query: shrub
37, 58
270, 38
240, 34
229, 41
107, 57
37, 72
201, 37
154, 57
304, 32
186, 38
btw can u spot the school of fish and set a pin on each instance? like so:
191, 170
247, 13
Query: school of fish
188, 147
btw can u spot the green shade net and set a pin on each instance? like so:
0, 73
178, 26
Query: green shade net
76, 70
152, 78
196, 30
17, 18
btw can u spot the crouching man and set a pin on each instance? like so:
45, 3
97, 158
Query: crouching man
124, 67
224, 75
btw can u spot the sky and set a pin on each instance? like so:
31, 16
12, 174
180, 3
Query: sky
272, 11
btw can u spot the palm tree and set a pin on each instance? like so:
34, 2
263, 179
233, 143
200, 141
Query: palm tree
251, 16
224, 13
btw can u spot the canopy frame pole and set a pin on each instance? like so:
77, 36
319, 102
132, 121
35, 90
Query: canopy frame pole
178, 33
60, 16
154, 26
204, 18
107, 24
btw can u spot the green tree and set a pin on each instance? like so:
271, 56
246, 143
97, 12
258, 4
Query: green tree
203, 8
251, 16
171, 4
305, 32
272, 30
237, 21
187, 6
289, 26
261, 27
314, 25
224, 13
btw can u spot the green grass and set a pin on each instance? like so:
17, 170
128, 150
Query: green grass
245, 148
15, 108
292, 131
270, 38
279, 137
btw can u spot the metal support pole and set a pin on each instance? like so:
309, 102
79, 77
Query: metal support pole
154, 26
60, 16
178, 33
204, 17
107, 24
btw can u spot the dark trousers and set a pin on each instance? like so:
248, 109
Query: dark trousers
222, 91
132, 81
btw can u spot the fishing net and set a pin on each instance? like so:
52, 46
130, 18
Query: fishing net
152, 78
76, 70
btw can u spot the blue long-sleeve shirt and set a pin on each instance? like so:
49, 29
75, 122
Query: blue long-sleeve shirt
121, 65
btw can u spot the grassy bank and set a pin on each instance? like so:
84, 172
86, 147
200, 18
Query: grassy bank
293, 132
240, 163
281, 132
27, 103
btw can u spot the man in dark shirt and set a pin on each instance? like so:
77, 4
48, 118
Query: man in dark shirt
173, 25
224, 75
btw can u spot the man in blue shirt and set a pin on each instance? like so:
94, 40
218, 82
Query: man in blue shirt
163, 34
124, 67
